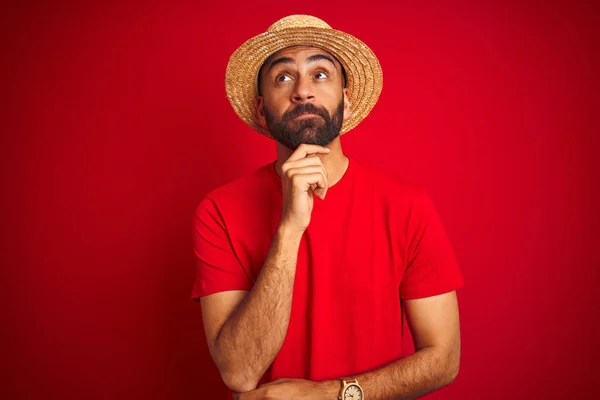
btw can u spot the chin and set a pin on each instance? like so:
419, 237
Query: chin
309, 134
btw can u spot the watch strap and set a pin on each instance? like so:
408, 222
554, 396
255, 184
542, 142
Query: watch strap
346, 383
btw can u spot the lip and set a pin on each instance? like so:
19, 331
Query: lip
305, 115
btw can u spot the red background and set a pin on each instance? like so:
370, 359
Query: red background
115, 124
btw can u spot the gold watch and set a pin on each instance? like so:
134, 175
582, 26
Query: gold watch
351, 390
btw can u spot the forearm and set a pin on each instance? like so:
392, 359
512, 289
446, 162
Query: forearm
253, 335
422, 372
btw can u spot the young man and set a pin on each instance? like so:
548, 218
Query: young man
306, 265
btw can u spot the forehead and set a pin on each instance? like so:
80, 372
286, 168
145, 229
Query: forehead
299, 53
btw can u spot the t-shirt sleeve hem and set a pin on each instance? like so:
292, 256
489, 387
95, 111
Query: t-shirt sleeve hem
430, 291
198, 293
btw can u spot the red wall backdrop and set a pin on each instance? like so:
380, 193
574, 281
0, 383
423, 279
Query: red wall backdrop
115, 124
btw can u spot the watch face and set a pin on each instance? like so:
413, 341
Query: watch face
353, 392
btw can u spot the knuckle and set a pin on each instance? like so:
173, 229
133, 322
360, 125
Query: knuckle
289, 173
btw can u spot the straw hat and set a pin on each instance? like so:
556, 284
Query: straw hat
364, 75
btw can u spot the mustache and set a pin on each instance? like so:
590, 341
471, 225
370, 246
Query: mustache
305, 108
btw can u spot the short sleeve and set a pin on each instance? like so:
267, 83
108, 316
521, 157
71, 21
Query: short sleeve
217, 267
431, 266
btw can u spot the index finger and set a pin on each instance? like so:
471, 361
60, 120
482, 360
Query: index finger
307, 149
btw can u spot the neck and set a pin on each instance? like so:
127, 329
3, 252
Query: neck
335, 162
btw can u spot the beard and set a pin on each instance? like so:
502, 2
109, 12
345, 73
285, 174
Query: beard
319, 129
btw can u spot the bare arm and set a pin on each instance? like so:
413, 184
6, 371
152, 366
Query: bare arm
435, 328
246, 329
434, 324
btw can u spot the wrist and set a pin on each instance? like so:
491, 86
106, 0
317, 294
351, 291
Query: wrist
288, 233
329, 390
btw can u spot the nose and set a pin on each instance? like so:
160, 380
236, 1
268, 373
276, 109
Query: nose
303, 91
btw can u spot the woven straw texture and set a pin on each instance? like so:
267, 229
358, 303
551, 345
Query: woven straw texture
365, 78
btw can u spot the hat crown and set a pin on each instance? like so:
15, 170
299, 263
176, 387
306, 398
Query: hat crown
298, 21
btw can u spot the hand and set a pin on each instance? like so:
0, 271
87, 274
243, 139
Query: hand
302, 175
288, 389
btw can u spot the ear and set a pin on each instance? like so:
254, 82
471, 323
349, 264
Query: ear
260, 112
347, 109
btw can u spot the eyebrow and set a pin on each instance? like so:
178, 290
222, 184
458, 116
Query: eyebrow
309, 60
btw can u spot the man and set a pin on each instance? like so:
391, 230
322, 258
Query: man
306, 265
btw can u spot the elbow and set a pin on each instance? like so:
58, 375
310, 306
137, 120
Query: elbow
235, 377
448, 365
451, 371
238, 381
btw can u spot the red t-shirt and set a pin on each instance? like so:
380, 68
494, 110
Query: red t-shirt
372, 241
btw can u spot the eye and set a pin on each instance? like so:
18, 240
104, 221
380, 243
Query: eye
282, 78
321, 75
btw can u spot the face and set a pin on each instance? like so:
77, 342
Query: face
302, 97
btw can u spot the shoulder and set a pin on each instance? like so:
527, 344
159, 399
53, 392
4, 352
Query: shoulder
243, 190
248, 183
389, 185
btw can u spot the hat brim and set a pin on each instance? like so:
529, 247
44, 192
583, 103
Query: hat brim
363, 71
